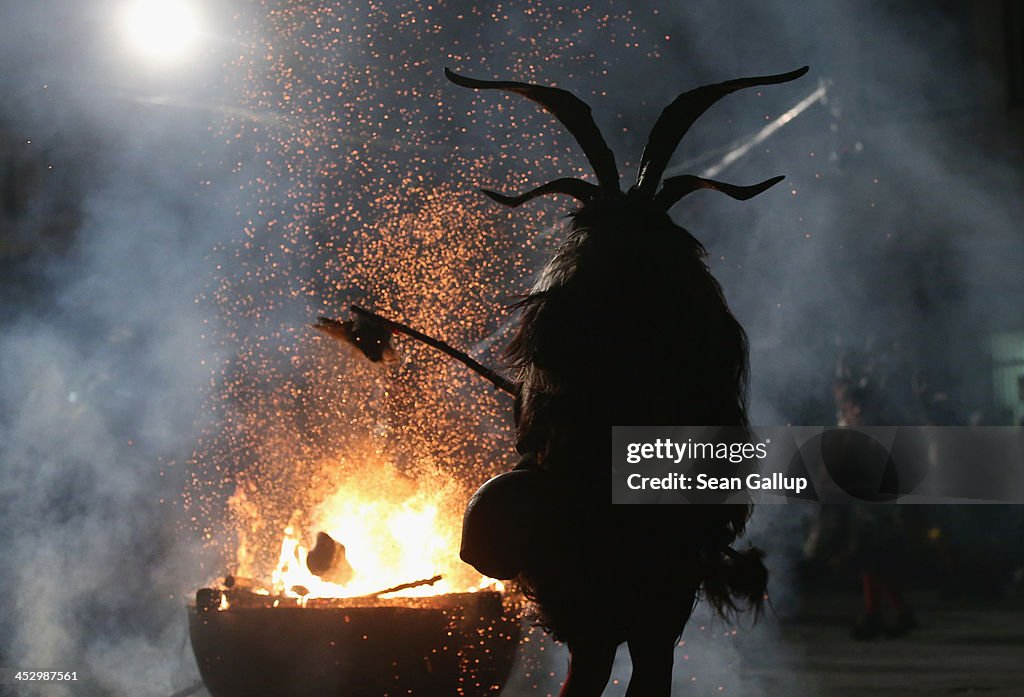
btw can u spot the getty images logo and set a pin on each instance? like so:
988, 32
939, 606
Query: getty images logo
907, 464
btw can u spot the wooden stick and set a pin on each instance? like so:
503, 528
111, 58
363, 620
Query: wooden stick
403, 586
492, 376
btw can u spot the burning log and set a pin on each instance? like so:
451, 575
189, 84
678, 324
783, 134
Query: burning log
208, 599
328, 561
238, 583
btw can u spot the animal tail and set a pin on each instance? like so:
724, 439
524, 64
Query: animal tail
737, 582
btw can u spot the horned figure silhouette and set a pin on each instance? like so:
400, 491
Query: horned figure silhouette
625, 326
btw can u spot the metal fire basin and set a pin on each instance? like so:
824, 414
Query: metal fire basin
453, 644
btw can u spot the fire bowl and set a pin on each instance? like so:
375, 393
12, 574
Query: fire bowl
453, 644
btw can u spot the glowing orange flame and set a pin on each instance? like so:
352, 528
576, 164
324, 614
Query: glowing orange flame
395, 528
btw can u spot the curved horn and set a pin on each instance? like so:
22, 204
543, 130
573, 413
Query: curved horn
577, 188
675, 188
570, 110
678, 116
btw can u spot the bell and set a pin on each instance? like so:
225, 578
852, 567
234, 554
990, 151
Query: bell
502, 521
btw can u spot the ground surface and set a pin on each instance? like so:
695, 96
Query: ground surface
973, 647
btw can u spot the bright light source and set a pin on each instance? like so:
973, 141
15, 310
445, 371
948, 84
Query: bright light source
162, 30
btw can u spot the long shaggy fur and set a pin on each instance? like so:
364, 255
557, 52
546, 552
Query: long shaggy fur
627, 326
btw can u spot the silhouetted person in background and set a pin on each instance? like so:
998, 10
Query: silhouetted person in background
876, 542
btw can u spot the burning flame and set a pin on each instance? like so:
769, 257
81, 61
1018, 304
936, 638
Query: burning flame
395, 529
